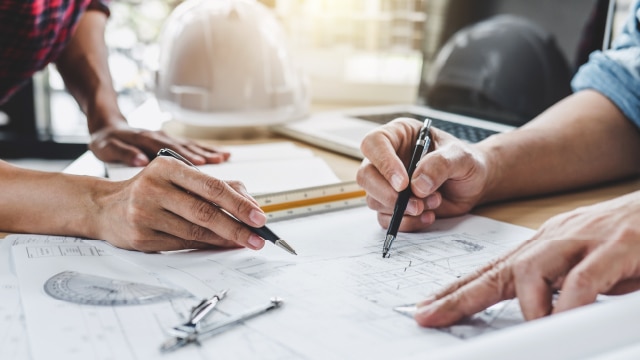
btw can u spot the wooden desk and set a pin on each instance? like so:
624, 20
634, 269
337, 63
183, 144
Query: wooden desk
530, 213
533, 212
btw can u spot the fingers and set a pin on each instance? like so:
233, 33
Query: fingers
476, 274
171, 198
151, 231
599, 272
382, 197
533, 271
167, 242
409, 223
538, 271
213, 190
174, 232
451, 161
448, 181
196, 154
134, 147
387, 146
114, 150
455, 295
488, 289
211, 154
159, 241
625, 286
378, 189
206, 222
596, 252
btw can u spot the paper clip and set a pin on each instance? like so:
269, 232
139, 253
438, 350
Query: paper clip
183, 338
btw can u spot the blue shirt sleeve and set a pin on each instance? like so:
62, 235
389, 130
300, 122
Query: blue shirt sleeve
615, 73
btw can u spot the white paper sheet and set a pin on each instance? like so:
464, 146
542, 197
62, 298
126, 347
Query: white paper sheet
13, 333
339, 293
263, 168
13, 340
606, 330
64, 330
338, 298
623, 352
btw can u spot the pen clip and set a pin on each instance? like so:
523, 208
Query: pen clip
174, 154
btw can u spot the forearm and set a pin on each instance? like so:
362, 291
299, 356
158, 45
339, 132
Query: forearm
581, 141
84, 68
48, 203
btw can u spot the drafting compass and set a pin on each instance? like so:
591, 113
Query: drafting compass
192, 332
88, 289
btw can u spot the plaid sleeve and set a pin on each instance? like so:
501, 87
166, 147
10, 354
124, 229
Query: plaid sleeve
33, 33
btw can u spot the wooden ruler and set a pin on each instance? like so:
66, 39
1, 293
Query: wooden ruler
313, 200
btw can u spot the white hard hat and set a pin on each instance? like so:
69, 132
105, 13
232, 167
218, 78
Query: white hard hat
226, 63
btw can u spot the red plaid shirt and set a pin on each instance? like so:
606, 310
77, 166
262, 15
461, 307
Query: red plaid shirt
32, 34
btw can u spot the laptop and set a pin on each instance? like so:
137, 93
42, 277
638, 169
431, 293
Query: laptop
342, 131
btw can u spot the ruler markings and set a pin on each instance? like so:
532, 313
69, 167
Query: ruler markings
313, 200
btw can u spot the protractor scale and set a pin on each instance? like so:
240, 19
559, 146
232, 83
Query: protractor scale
79, 288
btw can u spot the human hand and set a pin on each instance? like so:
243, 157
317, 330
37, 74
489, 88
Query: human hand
585, 252
448, 181
169, 205
135, 147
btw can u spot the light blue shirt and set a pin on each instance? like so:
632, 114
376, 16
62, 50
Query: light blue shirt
615, 73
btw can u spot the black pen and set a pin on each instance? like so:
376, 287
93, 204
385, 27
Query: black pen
422, 146
264, 232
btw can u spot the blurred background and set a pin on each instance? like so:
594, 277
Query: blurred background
353, 51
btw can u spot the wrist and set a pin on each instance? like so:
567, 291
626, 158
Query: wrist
103, 112
490, 152
94, 207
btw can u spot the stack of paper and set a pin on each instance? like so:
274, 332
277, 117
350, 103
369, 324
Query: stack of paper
263, 168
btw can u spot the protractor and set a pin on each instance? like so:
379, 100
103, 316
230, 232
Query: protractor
86, 289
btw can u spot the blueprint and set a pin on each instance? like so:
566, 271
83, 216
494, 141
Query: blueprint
64, 330
339, 292
13, 333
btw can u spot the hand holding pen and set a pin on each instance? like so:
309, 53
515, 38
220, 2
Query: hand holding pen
262, 231
422, 146
453, 178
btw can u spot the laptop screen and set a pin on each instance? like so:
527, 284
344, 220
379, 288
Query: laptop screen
577, 27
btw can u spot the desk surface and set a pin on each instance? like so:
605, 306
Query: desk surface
530, 212
533, 212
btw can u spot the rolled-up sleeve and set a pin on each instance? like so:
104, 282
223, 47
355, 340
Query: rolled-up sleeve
615, 73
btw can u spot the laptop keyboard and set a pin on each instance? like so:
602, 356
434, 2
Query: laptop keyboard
465, 132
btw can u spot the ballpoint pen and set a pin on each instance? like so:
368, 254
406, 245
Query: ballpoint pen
264, 232
422, 146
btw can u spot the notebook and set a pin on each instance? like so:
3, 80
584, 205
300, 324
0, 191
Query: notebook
342, 131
